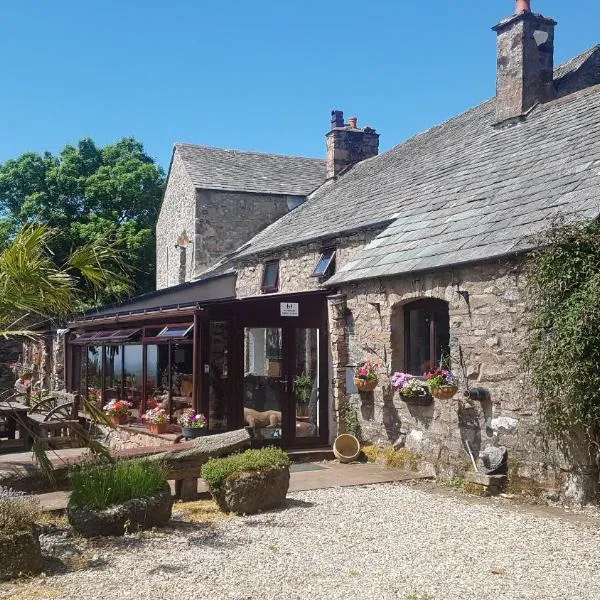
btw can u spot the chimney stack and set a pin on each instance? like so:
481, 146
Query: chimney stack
348, 144
525, 74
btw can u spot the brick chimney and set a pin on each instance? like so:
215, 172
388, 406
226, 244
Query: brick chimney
348, 144
525, 62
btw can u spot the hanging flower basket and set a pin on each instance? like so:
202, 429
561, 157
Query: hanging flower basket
365, 385
444, 392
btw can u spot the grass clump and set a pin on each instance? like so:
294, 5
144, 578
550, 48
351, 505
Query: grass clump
402, 459
100, 486
18, 512
216, 471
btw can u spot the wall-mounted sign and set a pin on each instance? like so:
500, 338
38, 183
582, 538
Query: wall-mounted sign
289, 309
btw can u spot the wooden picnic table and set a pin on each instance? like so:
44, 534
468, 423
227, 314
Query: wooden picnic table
15, 415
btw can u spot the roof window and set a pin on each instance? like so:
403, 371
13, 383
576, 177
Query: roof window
326, 263
175, 331
270, 278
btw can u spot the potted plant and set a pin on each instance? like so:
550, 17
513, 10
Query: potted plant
118, 411
303, 385
157, 420
193, 424
442, 383
365, 376
411, 389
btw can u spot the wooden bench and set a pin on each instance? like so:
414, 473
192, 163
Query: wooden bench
54, 421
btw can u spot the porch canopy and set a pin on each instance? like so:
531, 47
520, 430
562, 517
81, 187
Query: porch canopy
169, 300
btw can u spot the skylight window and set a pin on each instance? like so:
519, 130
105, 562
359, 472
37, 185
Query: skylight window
270, 279
325, 264
175, 331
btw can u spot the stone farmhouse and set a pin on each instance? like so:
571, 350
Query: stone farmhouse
277, 275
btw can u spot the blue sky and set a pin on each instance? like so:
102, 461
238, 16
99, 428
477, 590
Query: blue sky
261, 75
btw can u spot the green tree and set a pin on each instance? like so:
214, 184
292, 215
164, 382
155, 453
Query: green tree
88, 193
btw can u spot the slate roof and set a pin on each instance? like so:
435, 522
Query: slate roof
460, 192
239, 171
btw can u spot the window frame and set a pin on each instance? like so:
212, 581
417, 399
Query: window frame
269, 288
329, 265
439, 310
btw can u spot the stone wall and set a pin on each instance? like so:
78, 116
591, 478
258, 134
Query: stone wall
297, 264
176, 217
226, 220
486, 313
9, 354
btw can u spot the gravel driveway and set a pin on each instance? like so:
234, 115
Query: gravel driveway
379, 542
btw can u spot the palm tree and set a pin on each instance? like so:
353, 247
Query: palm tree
36, 292
35, 289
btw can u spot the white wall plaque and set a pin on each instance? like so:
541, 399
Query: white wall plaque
289, 309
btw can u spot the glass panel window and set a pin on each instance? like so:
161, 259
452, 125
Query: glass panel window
113, 375
325, 264
218, 389
427, 334
175, 331
264, 388
181, 378
133, 376
306, 383
94, 373
157, 376
270, 279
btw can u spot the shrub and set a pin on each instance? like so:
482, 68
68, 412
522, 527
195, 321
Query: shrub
99, 486
217, 470
18, 512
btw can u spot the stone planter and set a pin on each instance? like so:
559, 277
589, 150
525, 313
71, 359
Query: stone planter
251, 491
190, 433
140, 513
365, 385
21, 554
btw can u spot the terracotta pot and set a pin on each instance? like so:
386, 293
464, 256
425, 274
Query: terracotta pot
119, 419
365, 385
444, 392
157, 428
346, 448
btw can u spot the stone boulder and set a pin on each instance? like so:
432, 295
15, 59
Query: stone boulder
248, 492
133, 515
21, 554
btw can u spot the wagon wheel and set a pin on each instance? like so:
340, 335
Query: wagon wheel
48, 404
62, 411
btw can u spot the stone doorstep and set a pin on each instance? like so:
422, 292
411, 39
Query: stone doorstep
492, 483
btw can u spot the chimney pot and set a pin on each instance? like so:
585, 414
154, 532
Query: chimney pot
523, 6
337, 118
348, 145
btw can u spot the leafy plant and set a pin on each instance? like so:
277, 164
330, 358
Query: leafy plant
303, 385
190, 418
101, 485
349, 416
439, 377
216, 471
18, 512
562, 351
